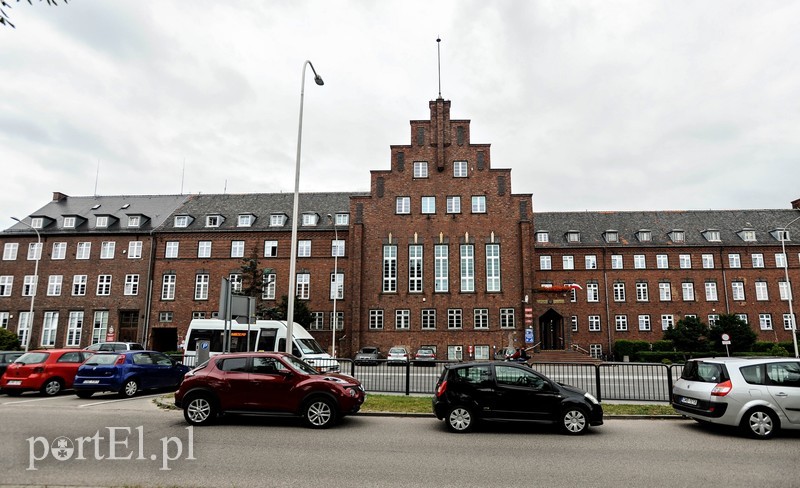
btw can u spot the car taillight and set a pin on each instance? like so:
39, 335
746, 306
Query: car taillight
722, 389
440, 391
120, 360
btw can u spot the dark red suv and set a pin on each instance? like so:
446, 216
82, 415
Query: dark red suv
268, 384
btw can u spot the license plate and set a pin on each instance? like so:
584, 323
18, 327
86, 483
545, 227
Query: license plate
14, 383
91, 382
689, 401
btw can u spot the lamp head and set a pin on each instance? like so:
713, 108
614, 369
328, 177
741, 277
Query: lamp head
318, 80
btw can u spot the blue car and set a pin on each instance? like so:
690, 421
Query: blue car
127, 373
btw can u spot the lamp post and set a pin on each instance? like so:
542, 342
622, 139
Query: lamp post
788, 285
293, 259
335, 321
35, 280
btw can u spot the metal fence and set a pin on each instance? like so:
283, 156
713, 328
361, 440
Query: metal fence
606, 381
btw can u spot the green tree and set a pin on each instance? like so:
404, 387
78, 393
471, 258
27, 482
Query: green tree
742, 335
8, 340
4, 19
302, 315
252, 276
689, 334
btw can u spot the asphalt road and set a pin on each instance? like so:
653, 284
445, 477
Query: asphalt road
366, 451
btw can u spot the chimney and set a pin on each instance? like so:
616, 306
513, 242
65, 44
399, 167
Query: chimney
58, 196
796, 203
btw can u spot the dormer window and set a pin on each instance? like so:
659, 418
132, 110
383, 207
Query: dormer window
277, 220
246, 220
712, 235
573, 236
182, 221
644, 236
69, 222
747, 235
677, 236
542, 236
37, 222
101, 222
213, 220
611, 236
134, 220
310, 219
342, 219
780, 235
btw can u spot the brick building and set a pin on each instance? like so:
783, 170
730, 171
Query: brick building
439, 253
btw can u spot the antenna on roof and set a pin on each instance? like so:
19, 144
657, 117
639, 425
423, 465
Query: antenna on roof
225, 189
183, 174
439, 56
96, 177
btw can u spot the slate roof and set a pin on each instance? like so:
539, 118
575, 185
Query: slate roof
592, 226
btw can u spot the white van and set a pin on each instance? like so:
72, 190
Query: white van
265, 335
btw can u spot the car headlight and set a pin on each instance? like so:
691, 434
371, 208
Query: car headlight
591, 398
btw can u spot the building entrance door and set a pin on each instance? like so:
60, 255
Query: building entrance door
551, 330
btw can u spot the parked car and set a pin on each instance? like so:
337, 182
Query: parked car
8, 357
49, 371
115, 346
269, 384
490, 391
127, 373
758, 395
367, 355
425, 357
398, 355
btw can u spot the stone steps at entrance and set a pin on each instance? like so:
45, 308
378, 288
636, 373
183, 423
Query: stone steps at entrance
562, 356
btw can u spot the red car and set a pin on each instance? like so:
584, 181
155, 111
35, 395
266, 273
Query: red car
48, 371
276, 384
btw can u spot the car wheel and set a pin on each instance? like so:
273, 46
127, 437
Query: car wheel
200, 410
760, 423
52, 387
574, 421
319, 413
129, 388
460, 420
84, 394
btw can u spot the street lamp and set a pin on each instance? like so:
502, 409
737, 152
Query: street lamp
35, 280
335, 320
293, 259
784, 235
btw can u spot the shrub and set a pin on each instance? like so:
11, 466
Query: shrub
689, 334
663, 346
624, 347
743, 337
8, 340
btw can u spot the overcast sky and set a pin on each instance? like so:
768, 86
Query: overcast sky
594, 105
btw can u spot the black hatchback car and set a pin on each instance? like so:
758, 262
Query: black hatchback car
509, 392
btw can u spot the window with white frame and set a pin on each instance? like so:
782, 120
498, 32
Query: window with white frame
181, 221
507, 320
304, 249
742, 317
785, 290
765, 321
639, 261
665, 292
104, 285
573, 236
788, 321
453, 204
441, 268
688, 291
712, 235
415, 268
420, 169
481, 353
245, 220
79, 285
592, 292
455, 353
235, 280
642, 292
611, 236
402, 319
171, 249
594, 323
662, 261
480, 317
758, 260
375, 319
545, 262
574, 321
237, 249
198, 315
492, 267
734, 260
685, 261
204, 249
567, 262
337, 248
677, 236
748, 235
317, 320
201, 287
342, 219
542, 236
100, 327
708, 261
761, 291
337, 286
268, 288
428, 205
621, 323
213, 220
616, 261
10, 251
6, 284
168, 287
645, 236
667, 321
135, 250
270, 249
619, 292
389, 269
478, 204
24, 326
4, 318
596, 351
337, 321
454, 319
737, 291
34, 251
107, 249
459, 169
590, 261
713, 319
59, 251
644, 322
54, 285
134, 220
429, 319
402, 205
309, 219
74, 328
84, 250
37, 222
780, 260
467, 268
277, 220
303, 286
49, 329
29, 285
711, 291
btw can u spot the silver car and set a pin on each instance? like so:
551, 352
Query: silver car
759, 395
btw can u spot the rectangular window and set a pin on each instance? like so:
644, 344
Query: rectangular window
201, 287
734, 261
592, 292
621, 323
402, 319
204, 249
277, 220
545, 262
24, 326
685, 261
337, 248
29, 286
429, 205
83, 250
59, 250
337, 286
453, 205
638, 261
664, 292
171, 249
304, 249
237, 249
10, 251
467, 268
134, 220
337, 321
74, 329
478, 204
642, 293
213, 221
567, 262
376, 319
268, 287
168, 287
542, 236
761, 291
270, 249
309, 219
303, 286
780, 260
54, 285
429, 319
342, 219
594, 323
389, 269
788, 321
454, 319
574, 321
100, 327
6, 284
737, 289
415, 268
742, 317
688, 292
459, 169
507, 320
34, 251
667, 321
245, 221
492, 267
182, 221
420, 169
481, 318
235, 280
616, 261
107, 249
79, 285
785, 290
619, 292
317, 320
135, 250
708, 261
758, 260
590, 261
481, 353
49, 329
711, 291
662, 261
441, 268
713, 319
402, 205
644, 322
765, 321
104, 285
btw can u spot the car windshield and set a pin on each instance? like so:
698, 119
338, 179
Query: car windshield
33, 358
705, 372
299, 365
101, 359
368, 350
310, 346
396, 351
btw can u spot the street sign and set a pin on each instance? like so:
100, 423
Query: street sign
528, 336
726, 339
